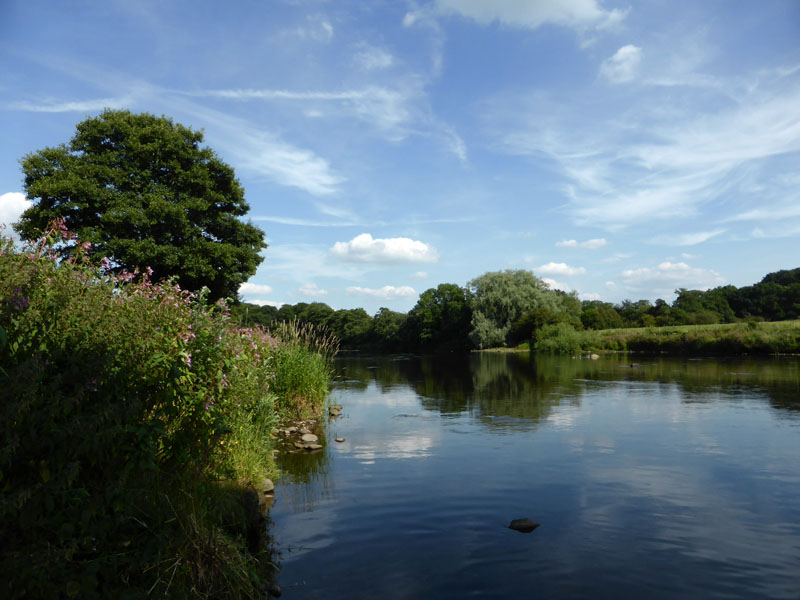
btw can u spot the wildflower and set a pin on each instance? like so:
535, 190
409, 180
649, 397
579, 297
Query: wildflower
149, 271
189, 359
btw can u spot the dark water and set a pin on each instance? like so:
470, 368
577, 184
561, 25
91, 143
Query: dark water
673, 479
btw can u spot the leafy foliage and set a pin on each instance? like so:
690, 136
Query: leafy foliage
124, 405
144, 193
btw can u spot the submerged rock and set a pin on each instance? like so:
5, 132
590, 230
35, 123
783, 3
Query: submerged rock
523, 525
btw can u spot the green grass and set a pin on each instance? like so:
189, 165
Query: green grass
780, 337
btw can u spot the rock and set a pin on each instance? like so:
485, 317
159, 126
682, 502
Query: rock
594, 356
309, 438
340, 439
304, 431
274, 590
523, 525
299, 445
313, 447
267, 486
291, 429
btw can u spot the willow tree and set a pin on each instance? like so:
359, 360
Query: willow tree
145, 193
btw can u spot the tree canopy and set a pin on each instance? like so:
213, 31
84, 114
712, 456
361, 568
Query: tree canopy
144, 193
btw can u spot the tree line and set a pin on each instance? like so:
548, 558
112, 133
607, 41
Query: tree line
507, 308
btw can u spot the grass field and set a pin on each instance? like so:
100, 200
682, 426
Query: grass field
779, 337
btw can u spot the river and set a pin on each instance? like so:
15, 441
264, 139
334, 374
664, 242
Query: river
665, 478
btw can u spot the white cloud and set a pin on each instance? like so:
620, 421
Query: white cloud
664, 279
555, 285
253, 288
553, 268
286, 164
686, 239
387, 292
588, 244
623, 65
59, 106
12, 205
655, 160
266, 303
591, 296
577, 14
364, 248
371, 58
311, 289
776, 213
419, 275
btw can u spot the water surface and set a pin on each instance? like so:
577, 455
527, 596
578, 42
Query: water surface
666, 479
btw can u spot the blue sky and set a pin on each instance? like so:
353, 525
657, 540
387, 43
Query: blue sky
618, 149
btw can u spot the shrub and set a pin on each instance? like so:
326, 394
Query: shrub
125, 407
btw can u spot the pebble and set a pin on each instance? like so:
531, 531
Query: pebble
340, 439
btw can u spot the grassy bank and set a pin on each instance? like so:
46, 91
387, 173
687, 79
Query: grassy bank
135, 418
781, 337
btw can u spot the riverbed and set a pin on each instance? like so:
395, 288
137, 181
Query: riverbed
650, 478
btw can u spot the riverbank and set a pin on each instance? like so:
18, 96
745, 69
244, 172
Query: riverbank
136, 423
779, 337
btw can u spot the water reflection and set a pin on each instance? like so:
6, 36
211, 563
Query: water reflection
523, 386
667, 479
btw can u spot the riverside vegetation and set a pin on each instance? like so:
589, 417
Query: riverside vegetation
135, 418
517, 309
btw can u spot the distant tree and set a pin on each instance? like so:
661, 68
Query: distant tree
352, 327
387, 327
316, 313
501, 297
144, 193
441, 319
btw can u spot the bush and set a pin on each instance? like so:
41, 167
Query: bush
126, 406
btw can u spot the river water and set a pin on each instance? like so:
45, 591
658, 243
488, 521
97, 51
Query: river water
666, 479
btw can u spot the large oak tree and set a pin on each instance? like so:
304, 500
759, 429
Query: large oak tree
144, 193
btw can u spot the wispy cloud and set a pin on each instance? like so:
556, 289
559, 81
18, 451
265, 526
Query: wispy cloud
686, 239
372, 58
660, 161
588, 244
576, 14
60, 106
365, 248
312, 290
663, 280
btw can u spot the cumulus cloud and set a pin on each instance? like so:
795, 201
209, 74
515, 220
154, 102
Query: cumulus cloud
555, 285
266, 303
364, 248
254, 288
387, 292
591, 296
577, 14
12, 205
588, 244
553, 268
664, 279
311, 289
623, 65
